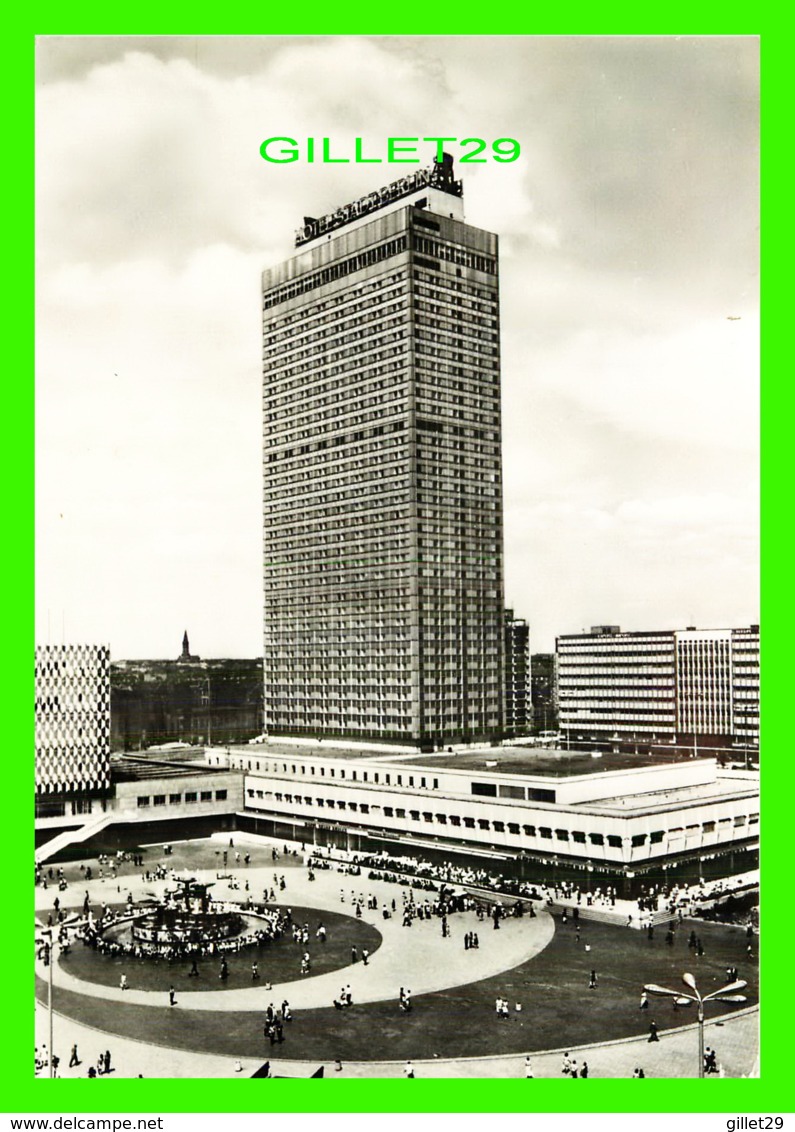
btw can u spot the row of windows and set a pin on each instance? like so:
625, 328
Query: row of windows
355, 439
334, 271
356, 297
544, 833
189, 796
451, 253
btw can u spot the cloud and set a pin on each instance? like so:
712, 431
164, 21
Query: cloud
627, 237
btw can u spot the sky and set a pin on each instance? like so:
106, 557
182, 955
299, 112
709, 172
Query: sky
629, 315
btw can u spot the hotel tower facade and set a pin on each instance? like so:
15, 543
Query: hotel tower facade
383, 540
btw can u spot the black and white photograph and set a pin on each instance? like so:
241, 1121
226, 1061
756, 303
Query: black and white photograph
397, 557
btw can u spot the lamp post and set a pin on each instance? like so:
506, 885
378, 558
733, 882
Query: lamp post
725, 994
50, 956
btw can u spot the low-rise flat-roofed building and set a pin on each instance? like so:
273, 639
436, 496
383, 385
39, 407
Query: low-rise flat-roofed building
544, 813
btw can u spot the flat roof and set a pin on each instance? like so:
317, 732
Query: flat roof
531, 761
124, 768
544, 762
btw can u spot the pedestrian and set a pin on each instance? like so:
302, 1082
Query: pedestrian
123, 982
644, 1001
528, 1067
73, 1058
365, 956
408, 1069
224, 972
593, 982
584, 1071
338, 1066
354, 955
653, 1032
238, 1067
194, 970
566, 1066
106, 1061
254, 972
172, 997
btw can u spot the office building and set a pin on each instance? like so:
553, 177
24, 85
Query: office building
692, 687
383, 550
72, 727
517, 675
544, 691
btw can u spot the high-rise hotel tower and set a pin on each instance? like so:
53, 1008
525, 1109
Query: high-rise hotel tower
382, 473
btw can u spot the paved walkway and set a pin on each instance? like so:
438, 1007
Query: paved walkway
675, 1055
417, 958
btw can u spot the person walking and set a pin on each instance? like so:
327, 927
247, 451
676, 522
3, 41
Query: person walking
653, 1032
593, 982
528, 1067
172, 997
73, 1058
408, 1069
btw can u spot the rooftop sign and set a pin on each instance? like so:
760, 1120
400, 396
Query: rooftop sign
439, 175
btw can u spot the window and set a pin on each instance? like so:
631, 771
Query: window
578, 836
159, 799
596, 839
364, 807
220, 795
442, 819
529, 830
388, 812
414, 815
485, 789
469, 823
499, 826
513, 827
190, 795
353, 806
206, 796
320, 801
562, 834
175, 799
708, 827
638, 839
656, 837
614, 841
400, 813
427, 817
435, 783
455, 819
507, 791
143, 801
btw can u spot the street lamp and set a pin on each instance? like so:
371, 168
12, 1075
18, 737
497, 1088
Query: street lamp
725, 994
49, 953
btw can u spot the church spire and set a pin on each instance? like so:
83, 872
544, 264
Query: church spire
185, 647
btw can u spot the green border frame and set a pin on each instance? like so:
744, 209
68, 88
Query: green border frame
770, 1093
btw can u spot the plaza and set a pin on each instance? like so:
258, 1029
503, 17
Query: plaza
538, 964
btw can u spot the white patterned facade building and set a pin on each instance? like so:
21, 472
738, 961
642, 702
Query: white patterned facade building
72, 722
